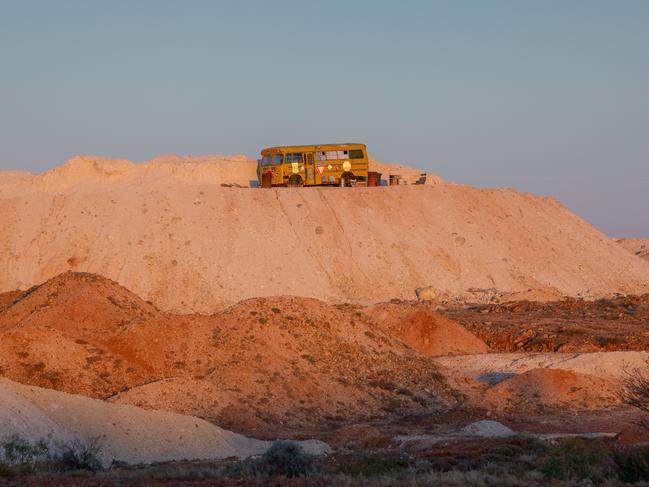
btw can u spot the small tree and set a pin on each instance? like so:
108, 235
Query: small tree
636, 393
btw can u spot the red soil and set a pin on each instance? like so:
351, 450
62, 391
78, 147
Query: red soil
424, 330
570, 325
545, 389
280, 360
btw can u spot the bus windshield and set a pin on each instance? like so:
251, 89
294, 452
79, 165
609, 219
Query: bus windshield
272, 160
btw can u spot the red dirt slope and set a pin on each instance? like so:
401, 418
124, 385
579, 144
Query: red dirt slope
280, 360
424, 330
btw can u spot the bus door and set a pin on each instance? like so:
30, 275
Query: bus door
309, 168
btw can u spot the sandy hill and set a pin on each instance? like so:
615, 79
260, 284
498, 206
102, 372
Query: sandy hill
234, 170
171, 233
127, 434
613, 366
533, 383
538, 390
636, 246
406, 173
7, 299
421, 328
279, 360
78, 304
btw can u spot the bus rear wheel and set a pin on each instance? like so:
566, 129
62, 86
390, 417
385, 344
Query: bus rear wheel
294, 181
346, 179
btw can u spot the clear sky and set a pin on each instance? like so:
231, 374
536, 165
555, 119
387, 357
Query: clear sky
545, 96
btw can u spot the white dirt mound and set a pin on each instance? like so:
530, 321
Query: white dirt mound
170, 232
606, 365
488, 429
637, 246
126, 433
542, 389
407, 174
234, 170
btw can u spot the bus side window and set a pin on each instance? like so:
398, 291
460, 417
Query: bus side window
356, 154
294, 157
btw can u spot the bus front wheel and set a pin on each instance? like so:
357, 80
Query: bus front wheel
294, 181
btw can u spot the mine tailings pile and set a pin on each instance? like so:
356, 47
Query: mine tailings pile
264, 361
168, 231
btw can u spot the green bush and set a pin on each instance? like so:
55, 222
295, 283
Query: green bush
21, 454
633, 465
285, 458
506, 451
373, 465
577, 459
518, 447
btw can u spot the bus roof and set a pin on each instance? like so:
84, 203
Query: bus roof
316, 147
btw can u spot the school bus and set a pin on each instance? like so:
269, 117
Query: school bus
314, 165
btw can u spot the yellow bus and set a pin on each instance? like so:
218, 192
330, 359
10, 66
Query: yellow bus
314, 165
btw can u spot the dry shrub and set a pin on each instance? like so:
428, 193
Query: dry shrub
80, 455
636, 393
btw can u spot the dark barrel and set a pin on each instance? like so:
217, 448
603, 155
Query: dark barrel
394, 179
373, 178
267, 179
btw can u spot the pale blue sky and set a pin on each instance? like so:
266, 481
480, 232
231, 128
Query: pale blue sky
544, 96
